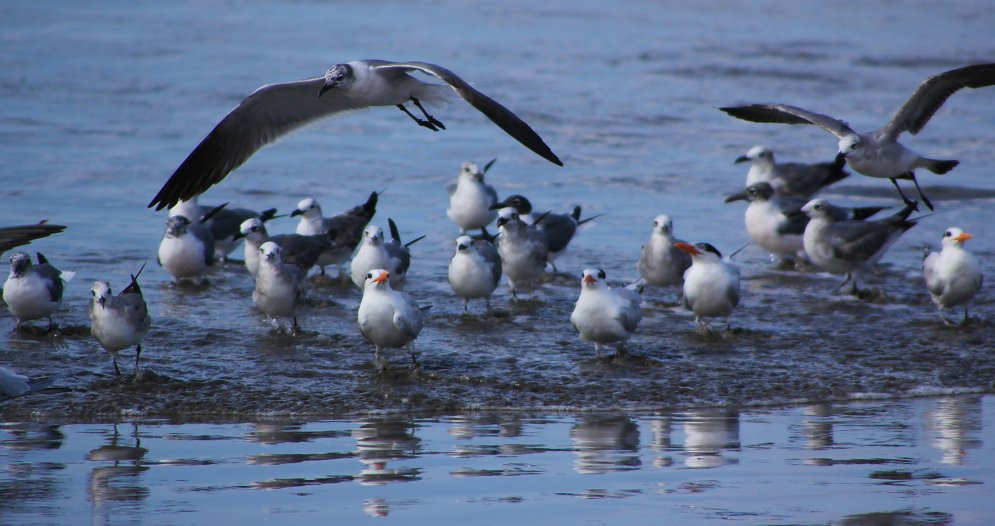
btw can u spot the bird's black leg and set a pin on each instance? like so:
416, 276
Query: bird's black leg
925, 201
138, 354
909, 202
117, 371
430, 118
421, 122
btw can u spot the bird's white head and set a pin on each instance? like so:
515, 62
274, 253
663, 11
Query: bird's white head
270, 251
373, 235
507, 215
377, 278
339, 76
101, 292
757, 155
592, 277
251, 226
851, 147
176, 226
464, 244
954, 236
308, 208
817, 208
19, 263
663, 225
470, 170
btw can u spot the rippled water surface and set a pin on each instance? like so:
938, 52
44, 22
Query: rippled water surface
914, 462
102, 102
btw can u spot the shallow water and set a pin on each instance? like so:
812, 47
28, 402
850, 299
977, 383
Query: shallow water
101, 105
911, 462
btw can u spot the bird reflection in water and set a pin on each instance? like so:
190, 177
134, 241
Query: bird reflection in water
707, 434
955, 424
116, 480
604, 444
381, 441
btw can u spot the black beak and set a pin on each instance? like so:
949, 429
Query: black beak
741, 196
238, 235
794, 213
499, 206
741, 159
325, 88
840, 159
296, 212
461, 247
502, 221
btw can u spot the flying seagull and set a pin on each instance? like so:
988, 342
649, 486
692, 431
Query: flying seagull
878, 153
277, 109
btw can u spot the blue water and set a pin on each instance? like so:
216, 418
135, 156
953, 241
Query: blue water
103, 101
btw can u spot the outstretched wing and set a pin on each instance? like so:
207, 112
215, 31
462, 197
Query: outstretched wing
269, 113
785, 114
15, 236
503, 117
932, 93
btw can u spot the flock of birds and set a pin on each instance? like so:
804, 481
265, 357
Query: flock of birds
782, 217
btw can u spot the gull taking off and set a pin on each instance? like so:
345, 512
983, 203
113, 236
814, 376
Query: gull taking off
277, 286
523, 249
953, 275
711, 286
277, 109
604, 315
878, 153
33, 291
661, 263
119, 322
799, 180
388, 318
849, 247
295, 249
475, 270
345, 229
470, 199
376, 253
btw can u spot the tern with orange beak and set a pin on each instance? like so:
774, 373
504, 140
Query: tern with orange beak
388, 318
953, 275
711, 286
605, 315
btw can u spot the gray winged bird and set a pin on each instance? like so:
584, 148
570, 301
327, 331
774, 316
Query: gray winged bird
277, 109
800, 180
15, 236
878, 153
119, 322
849, 247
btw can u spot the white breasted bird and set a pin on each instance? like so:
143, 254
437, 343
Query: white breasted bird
800, 180
344, 229
661, 263
953, 275
471, 199
277, 286
523, 249
475, 270
224, 224
559, 228
33, 291
388, 318
711, 285
119, 322
186, 250
852, 246
603, 315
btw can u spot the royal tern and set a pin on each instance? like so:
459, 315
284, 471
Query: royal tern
388, 318
953, 275
711, 285
878, 153
604, 315
277, 109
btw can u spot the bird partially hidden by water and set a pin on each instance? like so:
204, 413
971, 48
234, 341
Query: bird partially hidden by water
878, 153
13, 384
277, 109
605, 315
121, 321
953, 275
388, 318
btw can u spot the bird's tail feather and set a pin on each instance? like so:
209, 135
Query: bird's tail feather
938, 166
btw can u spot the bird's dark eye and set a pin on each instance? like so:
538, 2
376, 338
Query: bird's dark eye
601, 274
817, 207
369, 276
655, 223
946, 234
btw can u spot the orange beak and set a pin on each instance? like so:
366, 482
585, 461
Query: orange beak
964, 236
382, 277
687, 247
589, 280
